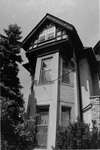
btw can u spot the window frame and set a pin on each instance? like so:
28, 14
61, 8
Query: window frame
47, 34
41, 82
68, 108
68, 73
42, 125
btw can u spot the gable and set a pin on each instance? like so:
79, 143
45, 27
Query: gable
42, 27
49, 33
97, 48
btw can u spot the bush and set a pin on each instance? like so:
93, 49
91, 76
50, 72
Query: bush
26, 133
77, 136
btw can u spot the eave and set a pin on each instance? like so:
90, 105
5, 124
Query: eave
47, 46
97, 48
68, 27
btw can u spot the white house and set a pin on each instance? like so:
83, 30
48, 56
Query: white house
65, 83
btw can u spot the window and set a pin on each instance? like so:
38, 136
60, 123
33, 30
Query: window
65, 73
47, 34
46, 71
42, 37
42, 126
50, 33
64, 35
65, 116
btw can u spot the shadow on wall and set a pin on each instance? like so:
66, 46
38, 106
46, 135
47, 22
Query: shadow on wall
96, 83
31, 108
86, 78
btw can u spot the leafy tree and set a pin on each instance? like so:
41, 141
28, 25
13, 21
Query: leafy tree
11, 98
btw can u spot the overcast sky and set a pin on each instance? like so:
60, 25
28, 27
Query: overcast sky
83, 14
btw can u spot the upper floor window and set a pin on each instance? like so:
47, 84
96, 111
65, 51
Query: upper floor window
65, 73
47, 34
46, 71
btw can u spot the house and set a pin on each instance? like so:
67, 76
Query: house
64, 77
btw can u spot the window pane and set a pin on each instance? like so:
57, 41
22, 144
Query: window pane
65, 73
42, 136
50, 36
50, 33
42, 126
46, 71
65, 116
42, 118
42, 38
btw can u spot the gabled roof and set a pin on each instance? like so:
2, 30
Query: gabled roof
48, 17
97, 48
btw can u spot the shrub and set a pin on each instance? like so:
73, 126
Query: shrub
77, 136
26, 133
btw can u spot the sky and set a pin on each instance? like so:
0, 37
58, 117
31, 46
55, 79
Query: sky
83, 14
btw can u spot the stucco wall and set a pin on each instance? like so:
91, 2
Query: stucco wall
67, 98
86, 82
95, 80
67, 93
47, 95
87, 117
86, 88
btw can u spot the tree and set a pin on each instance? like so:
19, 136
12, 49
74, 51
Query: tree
11, 98
26, 132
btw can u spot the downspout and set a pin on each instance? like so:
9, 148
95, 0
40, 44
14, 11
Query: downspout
79, 92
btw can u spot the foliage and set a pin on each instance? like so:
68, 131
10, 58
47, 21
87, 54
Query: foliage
11, 99
26, 132
77, 136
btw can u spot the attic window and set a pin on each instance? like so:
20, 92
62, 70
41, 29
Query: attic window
47, 34
42, 37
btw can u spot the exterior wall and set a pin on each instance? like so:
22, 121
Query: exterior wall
47, 95
95, 111
96, 86
67, 98
68, 93
86, 82
86, 88
88, 117
56, 95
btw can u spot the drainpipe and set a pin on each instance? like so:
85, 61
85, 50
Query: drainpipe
79, 93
